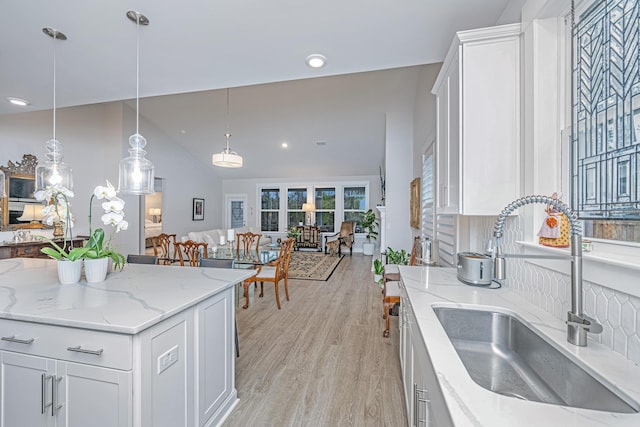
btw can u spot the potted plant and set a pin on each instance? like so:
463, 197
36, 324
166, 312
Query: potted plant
378, 269
397, 257
369, 222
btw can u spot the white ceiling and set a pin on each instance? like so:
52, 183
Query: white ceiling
202, 45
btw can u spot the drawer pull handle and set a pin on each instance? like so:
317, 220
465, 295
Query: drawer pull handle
79, 349
13, 338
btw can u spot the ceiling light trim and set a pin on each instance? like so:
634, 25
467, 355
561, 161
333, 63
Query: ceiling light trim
316, 60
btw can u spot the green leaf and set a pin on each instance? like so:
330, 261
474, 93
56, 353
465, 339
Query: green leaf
52, 253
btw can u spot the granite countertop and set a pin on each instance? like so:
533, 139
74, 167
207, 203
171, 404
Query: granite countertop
128, 302
469, 403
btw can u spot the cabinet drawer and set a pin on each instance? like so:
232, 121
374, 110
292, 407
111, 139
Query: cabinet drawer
74, 345
27, 251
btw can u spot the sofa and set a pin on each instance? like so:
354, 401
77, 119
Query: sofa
212, 237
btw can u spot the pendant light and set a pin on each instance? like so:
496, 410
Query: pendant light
136, 173
54, 171
227, 158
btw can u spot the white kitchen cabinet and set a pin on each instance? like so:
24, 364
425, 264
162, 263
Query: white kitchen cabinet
39, 391
424, 400
177, 372
478, 122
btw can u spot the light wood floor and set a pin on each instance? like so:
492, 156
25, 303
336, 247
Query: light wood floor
321, 360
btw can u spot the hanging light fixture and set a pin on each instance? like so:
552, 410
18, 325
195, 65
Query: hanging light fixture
54, 171
136, 173
227, 158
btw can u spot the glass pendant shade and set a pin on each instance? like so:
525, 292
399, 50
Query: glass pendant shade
54, 172
227, 158
136, 174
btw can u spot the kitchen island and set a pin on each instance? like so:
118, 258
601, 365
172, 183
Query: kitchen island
439, 389
150, 346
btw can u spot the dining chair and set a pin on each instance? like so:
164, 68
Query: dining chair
248, 242
162, 245
273, 272
192, 251
391, 284
221, 263
142, 259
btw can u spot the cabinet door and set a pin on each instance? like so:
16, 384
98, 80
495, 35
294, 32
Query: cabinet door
448, 146
26, 390
92, 396
215, 368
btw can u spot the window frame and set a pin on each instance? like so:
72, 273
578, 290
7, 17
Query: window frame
311, 187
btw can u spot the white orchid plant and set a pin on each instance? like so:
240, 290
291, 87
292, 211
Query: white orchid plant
58, 210
113, 207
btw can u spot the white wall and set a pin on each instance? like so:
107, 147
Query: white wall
95, 138
399, 173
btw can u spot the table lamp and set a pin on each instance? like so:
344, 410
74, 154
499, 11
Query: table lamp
308, 208
32, 213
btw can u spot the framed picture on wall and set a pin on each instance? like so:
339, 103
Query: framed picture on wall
198, 209
414, 208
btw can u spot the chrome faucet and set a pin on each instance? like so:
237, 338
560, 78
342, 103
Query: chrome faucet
577, 323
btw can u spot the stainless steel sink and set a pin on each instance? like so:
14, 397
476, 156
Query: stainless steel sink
505, 356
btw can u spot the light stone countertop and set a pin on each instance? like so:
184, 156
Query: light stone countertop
472, 405
127, 302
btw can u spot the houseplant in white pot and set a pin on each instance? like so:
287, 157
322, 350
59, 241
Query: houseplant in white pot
369, 223
378, 269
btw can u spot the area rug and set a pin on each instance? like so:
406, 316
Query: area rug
312, 265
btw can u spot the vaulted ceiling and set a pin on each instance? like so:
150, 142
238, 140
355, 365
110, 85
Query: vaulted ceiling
194, 48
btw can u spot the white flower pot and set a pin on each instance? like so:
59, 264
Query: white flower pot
368, 248
95, 270
69, 271
377, 278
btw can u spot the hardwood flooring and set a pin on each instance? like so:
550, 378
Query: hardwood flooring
321, 360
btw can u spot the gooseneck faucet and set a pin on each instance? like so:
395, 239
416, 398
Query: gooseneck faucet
577, 323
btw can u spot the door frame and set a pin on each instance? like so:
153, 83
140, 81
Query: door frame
228, 199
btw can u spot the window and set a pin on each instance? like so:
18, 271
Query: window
428, 227
325, 200
269, 209
295, 198
280, 205
354, 205
606, 116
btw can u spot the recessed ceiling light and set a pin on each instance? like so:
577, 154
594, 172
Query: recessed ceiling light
183, 132
17, 101
316, 60
284, 145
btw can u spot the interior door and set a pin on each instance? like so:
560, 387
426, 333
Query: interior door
236, 210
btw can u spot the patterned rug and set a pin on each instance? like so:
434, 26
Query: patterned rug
312, 265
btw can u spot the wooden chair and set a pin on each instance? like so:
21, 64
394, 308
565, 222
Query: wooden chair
248, 242
273, 272
162, 244
193, 251
391, 288
142, 259
345, 237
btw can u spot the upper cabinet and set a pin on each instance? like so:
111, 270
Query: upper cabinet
478, 107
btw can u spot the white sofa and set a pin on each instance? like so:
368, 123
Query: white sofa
212, 237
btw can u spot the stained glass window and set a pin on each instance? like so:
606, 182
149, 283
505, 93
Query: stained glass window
606, 112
